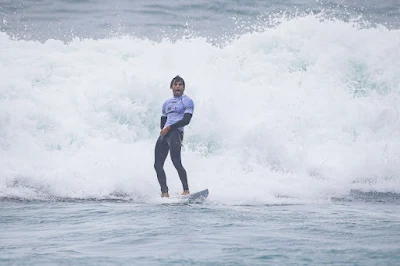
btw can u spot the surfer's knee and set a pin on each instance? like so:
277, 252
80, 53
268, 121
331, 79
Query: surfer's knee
177, 163
158, 166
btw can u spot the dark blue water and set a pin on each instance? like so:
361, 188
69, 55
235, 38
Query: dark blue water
41, 20
101, 233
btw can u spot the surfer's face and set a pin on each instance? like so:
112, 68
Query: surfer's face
177, 88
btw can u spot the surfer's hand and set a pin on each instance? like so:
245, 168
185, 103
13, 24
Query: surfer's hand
164, 131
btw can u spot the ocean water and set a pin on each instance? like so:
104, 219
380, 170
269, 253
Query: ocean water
295, 132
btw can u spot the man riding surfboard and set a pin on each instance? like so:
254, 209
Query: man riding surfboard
176, 114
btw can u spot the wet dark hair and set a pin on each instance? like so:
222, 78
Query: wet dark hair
177, 79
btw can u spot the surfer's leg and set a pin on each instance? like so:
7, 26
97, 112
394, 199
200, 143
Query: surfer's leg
175, 147
160, 154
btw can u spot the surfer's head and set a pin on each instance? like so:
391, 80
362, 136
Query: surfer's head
176, 80
178, 86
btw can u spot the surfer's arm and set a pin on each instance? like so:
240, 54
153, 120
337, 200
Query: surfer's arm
163, 121
163, 115
183, 122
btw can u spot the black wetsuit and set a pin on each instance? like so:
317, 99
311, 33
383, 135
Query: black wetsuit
171, 142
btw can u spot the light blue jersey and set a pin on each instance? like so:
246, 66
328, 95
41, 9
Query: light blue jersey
175, 108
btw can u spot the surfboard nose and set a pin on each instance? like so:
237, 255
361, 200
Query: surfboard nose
198, 196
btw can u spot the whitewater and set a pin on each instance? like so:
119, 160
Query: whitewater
305, 110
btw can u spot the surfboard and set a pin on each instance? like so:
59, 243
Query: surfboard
199, 196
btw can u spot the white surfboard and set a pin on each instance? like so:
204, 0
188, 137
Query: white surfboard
199, 196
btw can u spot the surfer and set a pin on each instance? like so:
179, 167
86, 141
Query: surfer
176, 114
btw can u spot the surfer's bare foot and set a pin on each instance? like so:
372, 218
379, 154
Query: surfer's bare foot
186, 192
165, 195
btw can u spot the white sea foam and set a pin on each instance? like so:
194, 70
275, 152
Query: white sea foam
306, 110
